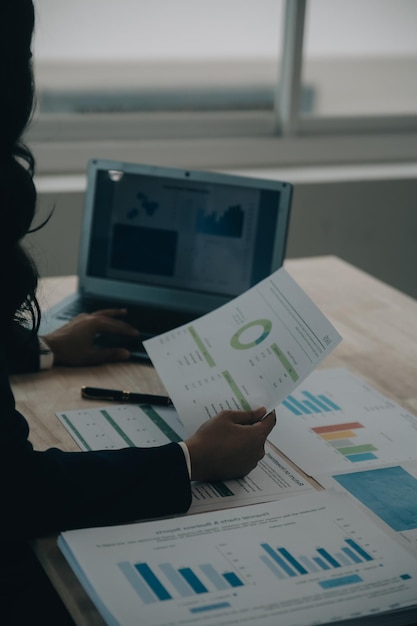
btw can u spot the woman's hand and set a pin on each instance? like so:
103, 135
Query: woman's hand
229, 445
74, 343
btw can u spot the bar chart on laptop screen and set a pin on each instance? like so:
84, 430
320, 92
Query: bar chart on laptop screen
205, 235
223, 223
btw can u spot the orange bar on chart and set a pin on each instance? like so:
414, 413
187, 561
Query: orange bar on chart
342, 434
334, 428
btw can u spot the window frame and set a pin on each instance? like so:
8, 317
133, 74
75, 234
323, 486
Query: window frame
232, 139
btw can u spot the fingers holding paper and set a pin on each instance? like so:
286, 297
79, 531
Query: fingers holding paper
229, 445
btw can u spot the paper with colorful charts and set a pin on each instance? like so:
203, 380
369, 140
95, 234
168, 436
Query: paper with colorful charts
251, 352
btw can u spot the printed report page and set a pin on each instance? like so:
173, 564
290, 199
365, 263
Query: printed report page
251, 352
311, 559
115, 427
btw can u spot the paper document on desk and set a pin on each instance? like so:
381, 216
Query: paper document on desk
313, 559
336, 421
118, 426
250, 352
388, 493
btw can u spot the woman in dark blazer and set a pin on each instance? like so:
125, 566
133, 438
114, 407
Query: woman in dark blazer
44, 492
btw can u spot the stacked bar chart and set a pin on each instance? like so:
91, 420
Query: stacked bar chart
310, 403
283, 564
166, 582
342, 437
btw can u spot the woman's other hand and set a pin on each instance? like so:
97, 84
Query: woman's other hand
75, 342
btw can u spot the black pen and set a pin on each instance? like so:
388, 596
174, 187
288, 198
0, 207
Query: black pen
115, 395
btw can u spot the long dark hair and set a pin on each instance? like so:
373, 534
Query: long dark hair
17, 190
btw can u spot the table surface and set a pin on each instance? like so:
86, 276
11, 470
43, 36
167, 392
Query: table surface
378, 325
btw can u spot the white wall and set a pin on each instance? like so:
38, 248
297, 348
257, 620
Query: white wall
153, 29
130, 29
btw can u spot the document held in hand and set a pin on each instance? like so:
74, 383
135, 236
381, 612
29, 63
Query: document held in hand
251, 352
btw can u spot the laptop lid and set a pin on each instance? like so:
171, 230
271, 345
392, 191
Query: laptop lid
178, 239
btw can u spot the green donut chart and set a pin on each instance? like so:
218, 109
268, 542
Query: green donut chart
239, 344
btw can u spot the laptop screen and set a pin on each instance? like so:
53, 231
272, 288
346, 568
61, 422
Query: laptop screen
196, 233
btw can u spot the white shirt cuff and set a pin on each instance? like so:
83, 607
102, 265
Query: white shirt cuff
46, 356
184, 448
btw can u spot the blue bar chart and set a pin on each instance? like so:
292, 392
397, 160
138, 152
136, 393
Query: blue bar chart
165, 582
313, 559
308, 403
226, 223
284, 564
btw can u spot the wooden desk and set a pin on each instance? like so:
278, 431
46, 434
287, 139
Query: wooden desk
379, 329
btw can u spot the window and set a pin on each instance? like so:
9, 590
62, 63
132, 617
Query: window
224, 84
361, 57
106, 56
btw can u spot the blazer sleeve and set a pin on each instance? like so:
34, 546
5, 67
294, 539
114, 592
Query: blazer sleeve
22, 350
53, 490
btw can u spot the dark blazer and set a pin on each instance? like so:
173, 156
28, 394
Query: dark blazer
22, 350
43, 492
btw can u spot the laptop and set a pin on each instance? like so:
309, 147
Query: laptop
171, 244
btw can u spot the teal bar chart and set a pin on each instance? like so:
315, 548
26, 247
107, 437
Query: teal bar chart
308, 404
283, 563
165, 582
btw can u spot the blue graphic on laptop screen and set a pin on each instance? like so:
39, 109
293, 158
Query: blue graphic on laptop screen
189, 234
